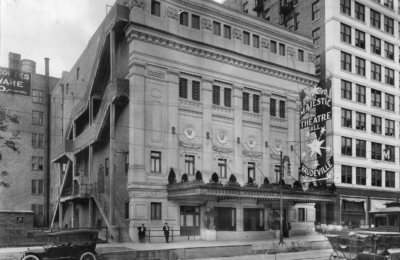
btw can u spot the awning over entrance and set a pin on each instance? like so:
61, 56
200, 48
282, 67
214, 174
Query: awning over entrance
177, 192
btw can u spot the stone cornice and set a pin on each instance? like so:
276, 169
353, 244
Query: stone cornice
236, 20
171, 41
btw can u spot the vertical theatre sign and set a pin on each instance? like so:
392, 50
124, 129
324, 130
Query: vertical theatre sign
316, 111
15, 82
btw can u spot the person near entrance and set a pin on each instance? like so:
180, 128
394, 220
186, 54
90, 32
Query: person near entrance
166, 232
142, 233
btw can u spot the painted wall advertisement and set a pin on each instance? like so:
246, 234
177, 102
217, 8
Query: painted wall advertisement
316, 111
15, 82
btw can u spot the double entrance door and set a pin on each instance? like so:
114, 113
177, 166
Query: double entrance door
190, 221
253, 219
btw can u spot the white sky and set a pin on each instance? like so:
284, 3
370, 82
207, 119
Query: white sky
57, 29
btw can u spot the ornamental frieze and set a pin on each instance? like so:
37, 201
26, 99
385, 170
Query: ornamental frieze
133, 3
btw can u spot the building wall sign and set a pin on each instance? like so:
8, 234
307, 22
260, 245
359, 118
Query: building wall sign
314, 127
15, 82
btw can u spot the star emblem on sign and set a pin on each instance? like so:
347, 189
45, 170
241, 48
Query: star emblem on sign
315, 164
328, 149
315, 147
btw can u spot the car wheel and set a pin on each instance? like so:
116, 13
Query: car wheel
30, 257
88, 256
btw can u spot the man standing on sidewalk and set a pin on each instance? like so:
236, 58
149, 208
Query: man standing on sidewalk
142, 233
166, 231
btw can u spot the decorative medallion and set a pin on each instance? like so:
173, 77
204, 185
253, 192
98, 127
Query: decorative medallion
251, 142
156, 93
190, 132
222, 136
278, 145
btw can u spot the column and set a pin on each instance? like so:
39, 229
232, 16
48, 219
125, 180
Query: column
266, 157
173, 119
238, 132
60, 214
208, 160
239, 218
136, 171
112, 161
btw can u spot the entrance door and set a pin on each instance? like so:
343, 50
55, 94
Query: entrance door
284, 221
225, 219
190, 221
253, 219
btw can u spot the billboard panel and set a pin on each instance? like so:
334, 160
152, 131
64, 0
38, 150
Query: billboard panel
15, 82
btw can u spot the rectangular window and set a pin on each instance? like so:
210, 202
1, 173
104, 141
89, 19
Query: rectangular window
281, 49
361, 176
246, 101
375, 45
376, 178
272, 107
189, 164
300, 55
184, 18
318, 64
183, 93
388, 25
375, 18
222, 167
155, 161
376, 125
256, 103
251, 170
360, 94
375, 98
360, 121
346, 146
347, 174
126, 211
376, 151
196, 90
389, 153
37, 96
37, 187
195, 22
360, 11
37, 163
315, 11
282, 109
34, 187
37, 118
345, 7
302, 214
37, 140
227, 32
390, 179
246, 38
245, 7
155, 8
345, 33
227, 97
126, 162
346, 117
389, 102
388, 3
155, 211
360, 39
389, 51
273, 47
296, 21
345, 61
375, 71
217, 28
389, 76
360, 66
315, 35
267, 14
361, 147
216, 95
256, 41
107, 166
389, 127
77, 73
346, 89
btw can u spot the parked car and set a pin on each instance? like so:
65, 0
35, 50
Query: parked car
77, 244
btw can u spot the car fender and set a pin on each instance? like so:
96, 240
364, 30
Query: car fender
31, 254
88, 250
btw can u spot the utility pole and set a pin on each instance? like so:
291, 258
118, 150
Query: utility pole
281, 204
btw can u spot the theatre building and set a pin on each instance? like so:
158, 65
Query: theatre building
188, 86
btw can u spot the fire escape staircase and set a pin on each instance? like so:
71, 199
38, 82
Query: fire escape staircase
67, 179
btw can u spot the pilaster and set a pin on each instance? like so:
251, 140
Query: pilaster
238, 132
207, 125
291, 119
173, 118
266, 159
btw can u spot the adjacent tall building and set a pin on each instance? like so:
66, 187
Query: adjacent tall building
182, 86
24, 96
356, 45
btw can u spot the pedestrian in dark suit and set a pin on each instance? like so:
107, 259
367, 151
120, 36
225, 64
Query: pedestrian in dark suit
166, 231
142, 233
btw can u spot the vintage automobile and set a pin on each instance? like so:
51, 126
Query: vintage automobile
77, 244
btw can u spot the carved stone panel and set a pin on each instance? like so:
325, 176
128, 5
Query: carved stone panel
206, 24
290, 51
265, 43
237, 34
156, 112
311, 58
172, 13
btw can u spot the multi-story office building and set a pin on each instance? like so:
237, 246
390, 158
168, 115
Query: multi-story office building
24, 94
189, 86
356, 45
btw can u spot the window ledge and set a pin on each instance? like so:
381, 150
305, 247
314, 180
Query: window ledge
353, 18
361, 131
384, 6
389, 136
376, 134
359, 48
346, 156
361, 158
382, 31
315, 20
315, 47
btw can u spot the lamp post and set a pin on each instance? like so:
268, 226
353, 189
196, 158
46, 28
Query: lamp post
286, 158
